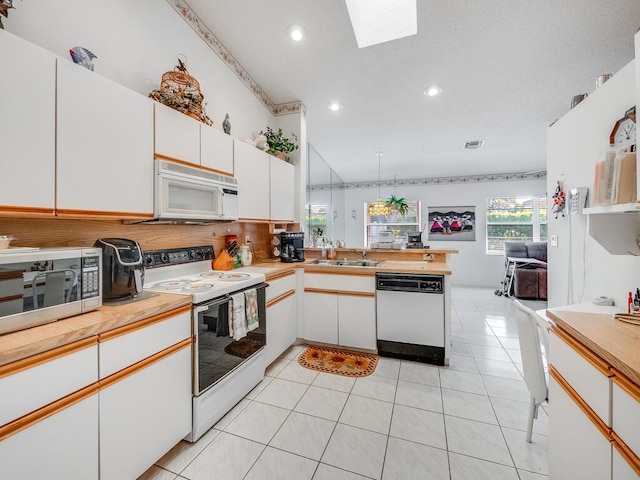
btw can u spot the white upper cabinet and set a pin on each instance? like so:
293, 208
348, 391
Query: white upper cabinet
177, 136
104, 147
252, 173
282, 188
27, 126
182, 138
216, 150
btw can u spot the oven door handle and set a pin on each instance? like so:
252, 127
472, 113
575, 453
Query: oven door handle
206, 306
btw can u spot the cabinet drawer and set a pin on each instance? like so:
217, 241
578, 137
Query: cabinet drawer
626, 411
587, 374
337, 283
280, 286
34, 382
61, 445
123, 347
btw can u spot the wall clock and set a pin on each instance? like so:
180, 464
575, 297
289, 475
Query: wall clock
624, 130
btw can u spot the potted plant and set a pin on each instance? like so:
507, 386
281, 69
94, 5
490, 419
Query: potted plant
279, 146
398, 203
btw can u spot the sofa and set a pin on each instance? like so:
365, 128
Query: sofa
529, 279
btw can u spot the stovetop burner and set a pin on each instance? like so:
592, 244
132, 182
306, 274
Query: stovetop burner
196, 287
171, 285
234, 277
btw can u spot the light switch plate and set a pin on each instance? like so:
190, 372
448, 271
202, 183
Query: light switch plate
554, 240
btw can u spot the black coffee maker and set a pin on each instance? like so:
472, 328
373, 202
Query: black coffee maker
122, 268
292, 247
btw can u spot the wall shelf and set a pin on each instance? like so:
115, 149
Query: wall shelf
619, 208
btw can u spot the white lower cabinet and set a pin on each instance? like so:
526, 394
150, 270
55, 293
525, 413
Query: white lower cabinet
321, 317
577, 448
62, 446
357, 321
340, 319
282, 325
143, 415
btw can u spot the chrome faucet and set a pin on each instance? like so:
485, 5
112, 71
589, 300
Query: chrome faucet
363, 253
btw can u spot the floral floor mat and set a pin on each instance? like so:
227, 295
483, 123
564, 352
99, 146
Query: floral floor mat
339, 362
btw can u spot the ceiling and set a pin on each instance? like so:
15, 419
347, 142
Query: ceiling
507, 70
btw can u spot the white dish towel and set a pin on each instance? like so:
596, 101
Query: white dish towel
238, 317
251, 308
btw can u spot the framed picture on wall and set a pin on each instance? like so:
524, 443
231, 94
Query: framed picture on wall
451, 223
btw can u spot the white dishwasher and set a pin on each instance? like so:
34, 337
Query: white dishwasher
410, 316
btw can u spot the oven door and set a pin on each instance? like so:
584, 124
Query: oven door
216, 353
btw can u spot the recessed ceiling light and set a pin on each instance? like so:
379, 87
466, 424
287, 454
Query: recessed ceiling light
432, 90
474, 144
335, 106
296, 32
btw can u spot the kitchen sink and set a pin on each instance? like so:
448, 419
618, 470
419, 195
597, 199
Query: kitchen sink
347, 263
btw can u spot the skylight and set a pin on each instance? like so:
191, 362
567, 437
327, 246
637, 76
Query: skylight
379, 21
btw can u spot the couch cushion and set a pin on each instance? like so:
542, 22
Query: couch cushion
515, 249
537, 250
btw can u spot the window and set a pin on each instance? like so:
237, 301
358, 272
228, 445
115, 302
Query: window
316, 218
515, 218
395, 222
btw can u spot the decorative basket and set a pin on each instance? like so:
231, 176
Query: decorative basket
181, 91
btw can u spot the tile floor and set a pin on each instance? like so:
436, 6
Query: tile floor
408, 420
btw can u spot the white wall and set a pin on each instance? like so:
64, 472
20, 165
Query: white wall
580, 268
136, 42
471, 266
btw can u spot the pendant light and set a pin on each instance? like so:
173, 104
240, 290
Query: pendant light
379, 207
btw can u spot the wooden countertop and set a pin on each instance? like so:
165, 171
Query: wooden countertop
18, 345
614, 341
386, 266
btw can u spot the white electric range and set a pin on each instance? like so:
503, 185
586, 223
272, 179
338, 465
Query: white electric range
224, 370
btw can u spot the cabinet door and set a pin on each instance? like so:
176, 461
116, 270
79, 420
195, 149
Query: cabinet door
251, 168
357, 321
577, 449
27, 124
144, 414
177, 136
61, 446
282, 326
216, 150
321, 317
282, 190
104, 147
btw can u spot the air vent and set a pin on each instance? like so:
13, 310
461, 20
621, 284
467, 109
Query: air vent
474, 145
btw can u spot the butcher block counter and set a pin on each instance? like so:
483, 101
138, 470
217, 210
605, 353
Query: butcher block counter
18, 345
396, 261
616, 342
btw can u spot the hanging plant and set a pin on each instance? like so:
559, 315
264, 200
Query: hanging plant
399, 203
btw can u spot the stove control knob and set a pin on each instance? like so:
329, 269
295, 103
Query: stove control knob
192, 254
148, 260
164, 258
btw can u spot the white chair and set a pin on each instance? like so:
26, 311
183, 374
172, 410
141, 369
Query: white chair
529, 337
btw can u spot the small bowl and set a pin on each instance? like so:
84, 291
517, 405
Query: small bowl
5, 240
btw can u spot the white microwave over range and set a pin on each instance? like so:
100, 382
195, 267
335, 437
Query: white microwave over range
186, 194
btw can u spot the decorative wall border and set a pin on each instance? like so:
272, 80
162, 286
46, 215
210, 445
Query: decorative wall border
219, 49
496, 177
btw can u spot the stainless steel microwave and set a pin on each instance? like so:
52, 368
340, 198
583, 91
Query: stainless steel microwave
42, 285
184, 194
